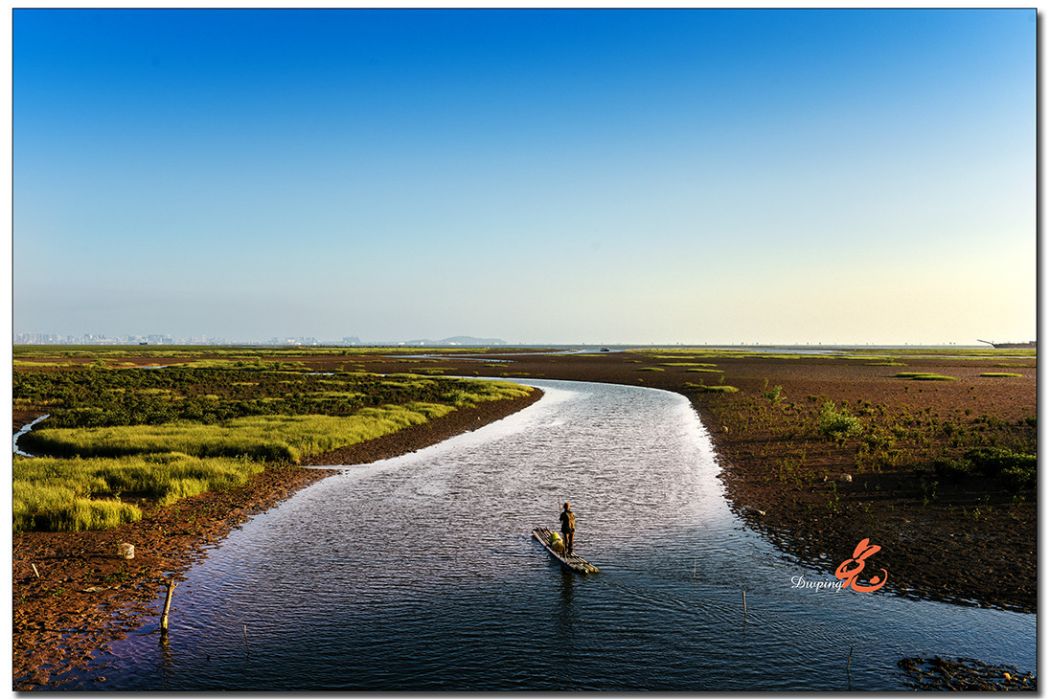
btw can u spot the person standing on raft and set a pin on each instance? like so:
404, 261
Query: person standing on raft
568, 526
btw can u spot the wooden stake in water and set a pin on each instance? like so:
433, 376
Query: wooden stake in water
743, 598
244, 631
167, 605
849, 673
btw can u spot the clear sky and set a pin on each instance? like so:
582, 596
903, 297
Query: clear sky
540, 176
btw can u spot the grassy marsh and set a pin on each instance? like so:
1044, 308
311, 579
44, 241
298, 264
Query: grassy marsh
88, 494
157, 435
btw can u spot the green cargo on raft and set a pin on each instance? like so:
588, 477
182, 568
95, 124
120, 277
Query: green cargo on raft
572, 562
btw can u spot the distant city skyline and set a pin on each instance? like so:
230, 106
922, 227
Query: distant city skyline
542, 176
353, 341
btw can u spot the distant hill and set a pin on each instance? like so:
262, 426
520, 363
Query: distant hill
459, 340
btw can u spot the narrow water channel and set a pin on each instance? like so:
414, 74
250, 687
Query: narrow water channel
418, 573
24, 430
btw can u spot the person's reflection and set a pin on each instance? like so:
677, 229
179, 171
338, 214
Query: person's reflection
567, 625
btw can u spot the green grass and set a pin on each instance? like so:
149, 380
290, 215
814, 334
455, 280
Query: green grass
650, 369
269, 438
688, 364
713, 388
91, 396
278, 437
28, 364
120, 440
705, 370
886, 363
926, 377
1001, 374
85, 494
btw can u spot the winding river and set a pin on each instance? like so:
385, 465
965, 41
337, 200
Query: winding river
418, 573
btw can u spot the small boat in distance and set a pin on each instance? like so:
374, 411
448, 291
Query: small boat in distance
572, 562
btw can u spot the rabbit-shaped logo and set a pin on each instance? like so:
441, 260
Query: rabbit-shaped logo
849, 570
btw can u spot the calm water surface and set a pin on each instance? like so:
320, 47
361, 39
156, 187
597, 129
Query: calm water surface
418, 573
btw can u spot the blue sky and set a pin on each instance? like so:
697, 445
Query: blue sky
540, 176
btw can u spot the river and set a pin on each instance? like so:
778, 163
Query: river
418, 573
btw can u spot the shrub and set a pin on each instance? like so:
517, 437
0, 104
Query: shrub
1015, 469
992, 461
837, 423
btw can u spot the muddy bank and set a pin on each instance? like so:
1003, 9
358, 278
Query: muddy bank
85, 596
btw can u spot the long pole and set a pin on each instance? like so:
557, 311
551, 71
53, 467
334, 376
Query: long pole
172, 583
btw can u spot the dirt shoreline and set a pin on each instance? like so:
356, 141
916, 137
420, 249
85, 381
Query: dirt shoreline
86, 597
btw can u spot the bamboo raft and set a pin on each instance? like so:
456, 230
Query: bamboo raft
572, 562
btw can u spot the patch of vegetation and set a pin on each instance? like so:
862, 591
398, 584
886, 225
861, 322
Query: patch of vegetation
87, 494
650, 369
837, 422
713, 388
1016, 469
96, 397
1001, 374
926, 377
27, 364
269, 438
119, 440
689, 364
775, 395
